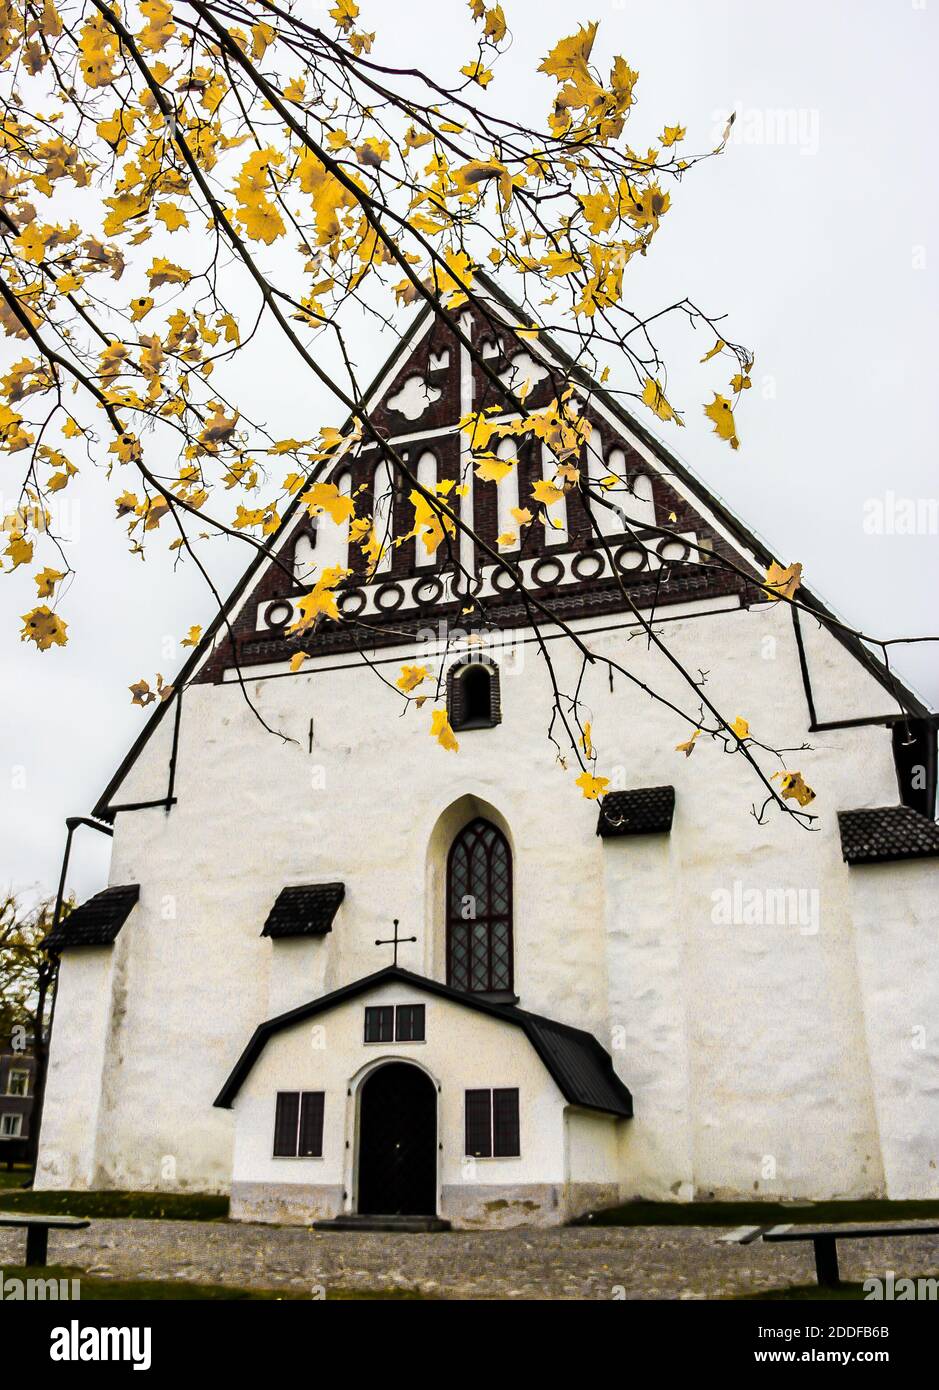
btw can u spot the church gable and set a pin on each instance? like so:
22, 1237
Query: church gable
665, 554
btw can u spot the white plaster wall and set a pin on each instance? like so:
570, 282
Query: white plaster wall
70, 1121
464, 1050
897, 916
746, 1047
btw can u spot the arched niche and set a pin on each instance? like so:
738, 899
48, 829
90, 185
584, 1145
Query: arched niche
447, 826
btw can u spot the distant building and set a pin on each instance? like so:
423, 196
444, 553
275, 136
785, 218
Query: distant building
17, 1089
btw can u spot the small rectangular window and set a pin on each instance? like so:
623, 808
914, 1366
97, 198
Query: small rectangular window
298, 1124
380, 1023
18, 1083
409, 1023
11, 1126
492, 1128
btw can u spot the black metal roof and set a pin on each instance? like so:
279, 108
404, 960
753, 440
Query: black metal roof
306, 910
887, 833
96, 922
581, 1067
641, 811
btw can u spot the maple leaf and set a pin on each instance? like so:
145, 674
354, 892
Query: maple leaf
721, 412
671, 134
740, 728
320, 601
411, 676
19, 550
782, 583
688, 747
46, 580
718, 347
441, 731
793, 786
140, 306
192, 637
326, 497
568, 58
546, 492
493, 470
164, 272
141, 694
654, 397
297, 660
592, 787
44, 627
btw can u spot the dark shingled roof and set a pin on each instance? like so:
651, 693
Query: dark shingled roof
642, 811
582, 1068
887, 833
307, 910
96, 922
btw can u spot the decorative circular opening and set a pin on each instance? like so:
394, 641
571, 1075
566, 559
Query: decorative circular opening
389, 597
502, 580
671, 551
278, 614
427, 591
351, 603
630, 557
588, 565
547, 571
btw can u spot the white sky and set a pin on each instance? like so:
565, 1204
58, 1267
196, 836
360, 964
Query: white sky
823, 251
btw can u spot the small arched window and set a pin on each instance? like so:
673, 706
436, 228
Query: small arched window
479, 910
473, 696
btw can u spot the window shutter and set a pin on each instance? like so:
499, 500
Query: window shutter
285, 1124
479, 1124
311, 1124
505, 1123
409, 1025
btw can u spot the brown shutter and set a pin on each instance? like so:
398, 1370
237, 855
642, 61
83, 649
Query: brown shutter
505, 1123
311, 1124
285, 1124
479, 1124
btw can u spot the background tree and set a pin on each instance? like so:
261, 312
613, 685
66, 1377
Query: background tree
27, 989
187, 183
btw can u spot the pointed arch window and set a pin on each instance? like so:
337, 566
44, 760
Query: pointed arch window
479, 910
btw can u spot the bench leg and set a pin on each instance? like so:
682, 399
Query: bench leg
826, 1261
37, 1245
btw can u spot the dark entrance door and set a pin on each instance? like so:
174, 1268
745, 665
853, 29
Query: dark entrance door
398, 1142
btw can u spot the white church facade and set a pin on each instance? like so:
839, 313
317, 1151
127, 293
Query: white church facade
655, 996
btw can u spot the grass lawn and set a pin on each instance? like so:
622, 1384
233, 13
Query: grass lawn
95, 1290
14, 1178
758, 1213
166, 1206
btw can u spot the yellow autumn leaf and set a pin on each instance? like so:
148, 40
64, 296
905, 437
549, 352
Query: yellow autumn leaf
411, 676
671, 134
654, 397
326, 497
44, 627
592, 787
522, 515
46, 580
141, 694
172, 216
192, 637
164, 272
493, 470
19, 550
140, 306
740, 727
688, 747
507, 538
793, 786
441, 731
546, 492
721, 412
782, 583
297, 660
718, 347
320, 601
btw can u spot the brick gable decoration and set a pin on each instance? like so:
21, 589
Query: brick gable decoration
419, 401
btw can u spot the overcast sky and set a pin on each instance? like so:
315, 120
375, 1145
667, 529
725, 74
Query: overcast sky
816, 233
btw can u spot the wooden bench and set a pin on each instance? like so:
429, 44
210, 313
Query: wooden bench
826, 1243
37, 1231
